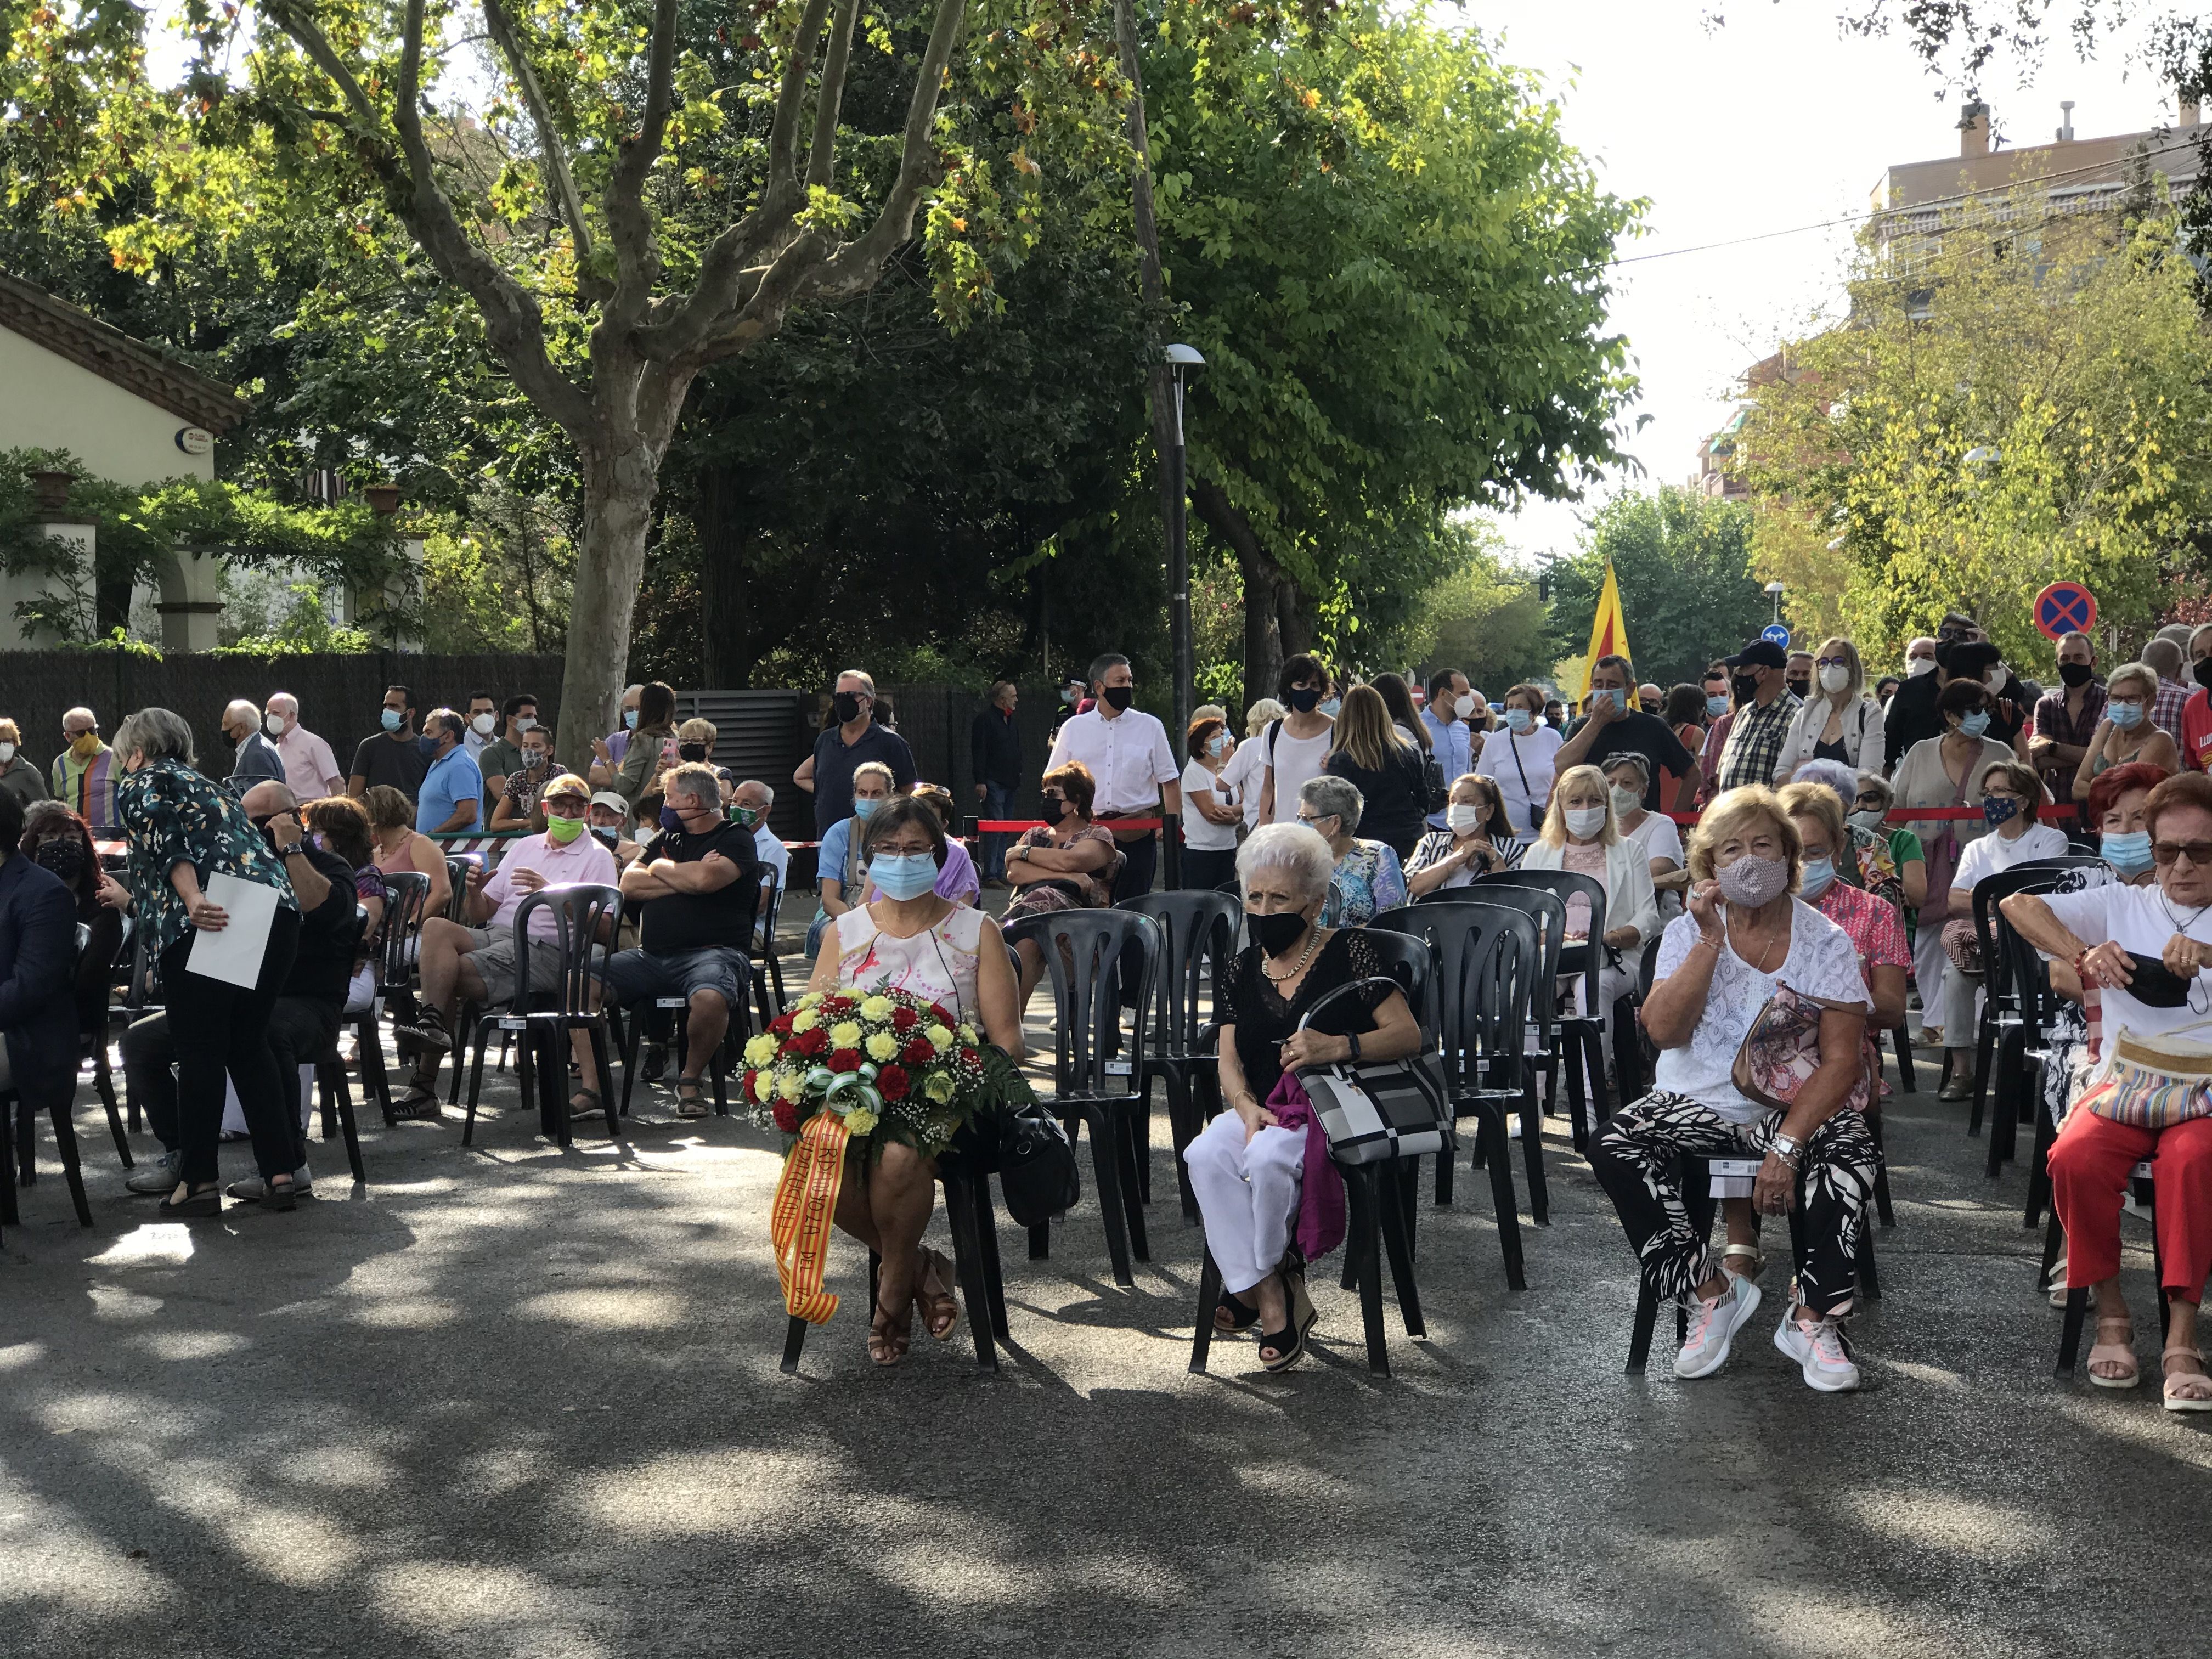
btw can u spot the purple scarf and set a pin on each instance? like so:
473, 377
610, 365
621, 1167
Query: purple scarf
1320, 1194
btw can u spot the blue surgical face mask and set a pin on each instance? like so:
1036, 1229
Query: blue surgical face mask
1519, 720
1814, 877
2125, 715
902, 875
1612, 694
1975, 723
1332, 706
630, 719
863, 808
1717, 706
2127, 851
1219, 744
394, 719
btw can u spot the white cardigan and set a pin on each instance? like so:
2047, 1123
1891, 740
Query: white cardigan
1630, 899
1864, 741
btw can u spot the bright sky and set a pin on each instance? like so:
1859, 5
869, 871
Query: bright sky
1776, 120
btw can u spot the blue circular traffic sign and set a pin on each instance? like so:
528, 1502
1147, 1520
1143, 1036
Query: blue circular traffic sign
2065, 608
1775, 633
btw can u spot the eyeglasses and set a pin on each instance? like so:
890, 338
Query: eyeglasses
2167, 852
1832, 662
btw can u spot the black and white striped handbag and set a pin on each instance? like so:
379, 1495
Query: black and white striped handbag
1377, 1110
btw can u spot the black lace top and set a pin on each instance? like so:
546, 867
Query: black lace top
1264, 1021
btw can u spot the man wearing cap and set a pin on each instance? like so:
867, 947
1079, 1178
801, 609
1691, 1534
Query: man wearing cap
478, 961
1765, 706
608, 813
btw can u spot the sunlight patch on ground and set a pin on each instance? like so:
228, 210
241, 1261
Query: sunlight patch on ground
152, 1242
1931, 1374
296, 1548
729, 1492
113, 1301
412, 1314
16, 1355
1939, 1524
188, 1344
615, 1307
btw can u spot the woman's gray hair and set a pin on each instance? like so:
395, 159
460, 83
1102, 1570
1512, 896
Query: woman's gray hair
1630, 759
156, 734
1332, 796
1833, 774
1296, 848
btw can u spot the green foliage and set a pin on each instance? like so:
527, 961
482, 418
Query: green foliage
305, 630
1484, 619
1682, 560
2070, 361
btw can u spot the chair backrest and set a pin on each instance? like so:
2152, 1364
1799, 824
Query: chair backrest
1565, 884
1082, 952
579, 909
457, 880
1198, 929
1408, 958
407, 895
2034, 874
766, 914
2025, 972
1549, 913
1488, 958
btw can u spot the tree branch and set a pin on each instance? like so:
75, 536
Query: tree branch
502, 29
783, 134
637, 261
830, 97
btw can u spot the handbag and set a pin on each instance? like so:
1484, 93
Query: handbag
1374, 1110
1942, 859
1037, 1174
1782, 1050
1963, 946
2152, 1082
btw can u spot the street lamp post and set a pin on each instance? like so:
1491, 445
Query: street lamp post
1774, 591
1180, 358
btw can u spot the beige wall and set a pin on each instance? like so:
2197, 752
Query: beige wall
47, 401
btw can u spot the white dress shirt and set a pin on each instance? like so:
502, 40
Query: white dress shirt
773, 854
1128, 757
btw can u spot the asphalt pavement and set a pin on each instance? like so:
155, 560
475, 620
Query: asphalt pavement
512, 1401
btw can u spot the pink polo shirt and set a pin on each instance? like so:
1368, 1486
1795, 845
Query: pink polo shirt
583, 860
309, 766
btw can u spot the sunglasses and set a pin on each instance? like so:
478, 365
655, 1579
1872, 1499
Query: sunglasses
2167, 852
1867, 803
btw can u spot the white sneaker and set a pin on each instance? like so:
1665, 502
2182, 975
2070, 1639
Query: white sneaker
1713, 1325
159, 1176
1821, 1351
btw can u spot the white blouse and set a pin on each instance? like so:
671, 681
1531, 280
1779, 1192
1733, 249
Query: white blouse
939, 963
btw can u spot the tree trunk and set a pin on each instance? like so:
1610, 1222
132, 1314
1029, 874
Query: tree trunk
726, 654
1274, 626
618, 491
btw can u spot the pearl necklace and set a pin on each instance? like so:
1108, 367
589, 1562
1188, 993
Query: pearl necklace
1313, 939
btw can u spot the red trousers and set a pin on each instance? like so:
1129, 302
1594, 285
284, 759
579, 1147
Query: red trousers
2090, 1162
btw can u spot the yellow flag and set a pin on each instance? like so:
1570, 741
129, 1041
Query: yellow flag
1608, 632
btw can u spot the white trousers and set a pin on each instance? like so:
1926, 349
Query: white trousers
1931, 969
1247, 1196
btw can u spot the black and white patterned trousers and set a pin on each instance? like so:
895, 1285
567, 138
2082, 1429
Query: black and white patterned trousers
1636, 1158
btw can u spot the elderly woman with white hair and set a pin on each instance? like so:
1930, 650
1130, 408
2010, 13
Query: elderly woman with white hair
1368, 878
1747, 945
1269, 1197
19, 774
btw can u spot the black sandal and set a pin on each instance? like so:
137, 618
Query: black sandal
205, 1202
1241, 1315
1289, 1345
419, 1104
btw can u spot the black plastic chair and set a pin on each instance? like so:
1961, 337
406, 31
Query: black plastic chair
767, 960
1999, 1015
25, 1139
1487, 957
671, 1015
407, 895
1199, 933
1548, 1053
1585, 1031
543, 1020
457, 884
140, 993
1095, 1075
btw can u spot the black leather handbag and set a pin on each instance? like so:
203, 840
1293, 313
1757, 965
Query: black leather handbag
1037, 1173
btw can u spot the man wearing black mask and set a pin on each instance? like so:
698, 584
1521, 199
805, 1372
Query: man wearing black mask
1797, 675
1763, 709
854, 736
2066, 717
1912, 712
1132, 768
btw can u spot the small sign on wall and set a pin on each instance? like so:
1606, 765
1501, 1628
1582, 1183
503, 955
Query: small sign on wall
195, 440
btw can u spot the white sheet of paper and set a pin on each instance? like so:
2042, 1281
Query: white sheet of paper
235, 954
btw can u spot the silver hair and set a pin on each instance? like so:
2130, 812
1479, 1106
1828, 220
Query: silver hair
868, 680
1332, 796
156, 734
1260, 713
696, 779
1297, 849
290, 702
241, 708
1835, 776
80, 709
1630, 758
768, 795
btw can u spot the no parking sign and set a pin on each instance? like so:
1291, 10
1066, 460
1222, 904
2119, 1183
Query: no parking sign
2065, 608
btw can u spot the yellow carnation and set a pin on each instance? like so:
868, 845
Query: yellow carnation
968, 1036
763, 1086
876, 1009
940, 1038
760, 1050
859, 1120
792, 1086
881, 1046
805, 1020
940, 1088
845, 1034
812, 999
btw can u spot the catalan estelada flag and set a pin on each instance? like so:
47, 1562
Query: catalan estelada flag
1608, 631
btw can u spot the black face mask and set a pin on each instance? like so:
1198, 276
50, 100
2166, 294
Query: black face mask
1118, 697
1276, 933
692, 752
1745, 686
1052, 810
1305, 698
1800, 688
2075, 673
846, 705
2203, 674
2155, 985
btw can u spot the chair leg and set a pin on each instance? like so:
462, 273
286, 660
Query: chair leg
9, 1215
1140, 1124
1883, 1213
368, 1050
1135, 1141
65, 1139
1905, 1080
1366, 1221
1600, 1098
2069, 1337
1869, 1280
2038, 1163
1106, 1163
27, 1146
986, 1235
598, 1030
350, 1125
2004, 1123
1389, 1197
1409, 1193
1041, 1241
1577, 1130
103, 1084
475, 1081
633, 1034
1984, 1045
1183, 1128
969, 1266
1532, 1155
2054, 1245
1639, 1334
1444, 1181
1502, 1195
1209, 1298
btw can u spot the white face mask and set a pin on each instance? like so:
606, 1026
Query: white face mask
1467, 705
1625, 801
1463, 819
7, 753
1919, 665
1585, 821
1995, 678
483, 723
1835, 679
525, 723
273, 726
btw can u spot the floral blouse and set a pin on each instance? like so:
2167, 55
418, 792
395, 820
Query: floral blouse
174, 815
1367, 881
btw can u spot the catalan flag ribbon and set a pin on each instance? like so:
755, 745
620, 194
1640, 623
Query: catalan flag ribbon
1608, 629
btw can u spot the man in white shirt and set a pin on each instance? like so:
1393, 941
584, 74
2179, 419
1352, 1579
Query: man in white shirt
311, 770
1131, 764
1452, 702
752, 801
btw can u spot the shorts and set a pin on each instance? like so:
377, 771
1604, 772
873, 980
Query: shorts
492, 953
634, 976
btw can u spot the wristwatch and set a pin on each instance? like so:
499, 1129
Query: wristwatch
1788, 1148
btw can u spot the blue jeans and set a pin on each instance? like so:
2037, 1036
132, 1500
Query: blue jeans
998, 803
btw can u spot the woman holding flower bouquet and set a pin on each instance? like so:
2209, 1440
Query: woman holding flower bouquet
906, 939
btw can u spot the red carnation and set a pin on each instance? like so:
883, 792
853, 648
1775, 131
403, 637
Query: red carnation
780, 1026
939, 1012
833, 1007
904, 1019
811, 1042
845, 1059
786, 1117
918, 1053
892, 1081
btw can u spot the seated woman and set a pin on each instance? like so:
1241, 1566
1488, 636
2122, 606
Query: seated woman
1249, 1168
339, 824
1742, 938
1628, 775
1369, 880
56, 839
957, 879
837, 861
1581, 834
2012, 795
1068, 864
1907, 860
1478, 839
910, 938
2126, 733
1876, 930
1864, 859
2148, 948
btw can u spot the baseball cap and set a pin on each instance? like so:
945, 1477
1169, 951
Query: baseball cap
1759, 653
608, 798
